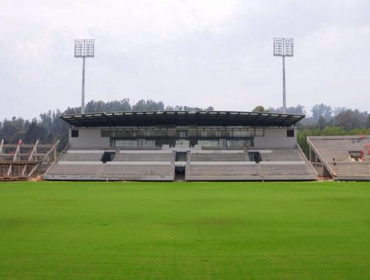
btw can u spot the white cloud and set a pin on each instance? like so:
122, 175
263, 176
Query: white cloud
196, 52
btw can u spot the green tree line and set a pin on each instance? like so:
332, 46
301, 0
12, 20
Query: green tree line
49, 128
326, 121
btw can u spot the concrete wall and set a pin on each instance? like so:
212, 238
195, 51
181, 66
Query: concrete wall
276, 138
88, 138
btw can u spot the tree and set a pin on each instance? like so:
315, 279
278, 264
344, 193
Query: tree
322, 122
299, 110
49, 127
260, 109
333, 131
35, 132
339, 110
321, 110
148, 105
14, 129
350, 119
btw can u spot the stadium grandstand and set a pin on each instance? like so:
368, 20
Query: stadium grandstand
21, 161
341, 157
182, 145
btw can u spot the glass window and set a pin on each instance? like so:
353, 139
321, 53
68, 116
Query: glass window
192, 132
208, 143
126, 143
182, 133
260, 132
171, 132
182, 143
290, 133
150, 143
105, 133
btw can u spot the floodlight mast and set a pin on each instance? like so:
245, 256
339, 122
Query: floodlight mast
84, 48
284, 47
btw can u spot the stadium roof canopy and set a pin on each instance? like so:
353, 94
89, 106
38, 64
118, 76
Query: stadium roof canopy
181, 118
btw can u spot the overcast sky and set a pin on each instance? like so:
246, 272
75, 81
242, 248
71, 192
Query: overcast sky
186, 52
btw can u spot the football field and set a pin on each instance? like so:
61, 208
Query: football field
91, 231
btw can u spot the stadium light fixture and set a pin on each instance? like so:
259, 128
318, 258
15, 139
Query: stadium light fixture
84, 48
284, 47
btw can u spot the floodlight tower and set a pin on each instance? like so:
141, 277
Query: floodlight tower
284, 47
84, 48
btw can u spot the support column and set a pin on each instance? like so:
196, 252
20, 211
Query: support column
83, 87
1, 148
284, 87
30, 158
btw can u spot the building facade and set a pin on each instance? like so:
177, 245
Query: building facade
183, 129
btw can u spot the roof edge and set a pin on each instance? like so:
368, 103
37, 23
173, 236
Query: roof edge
163, 117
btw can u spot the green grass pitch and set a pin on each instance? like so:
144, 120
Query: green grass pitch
119, 231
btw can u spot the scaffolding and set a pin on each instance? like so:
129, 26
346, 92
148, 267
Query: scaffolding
20, 162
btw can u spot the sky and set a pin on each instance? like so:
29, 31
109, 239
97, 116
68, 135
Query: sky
183, 52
